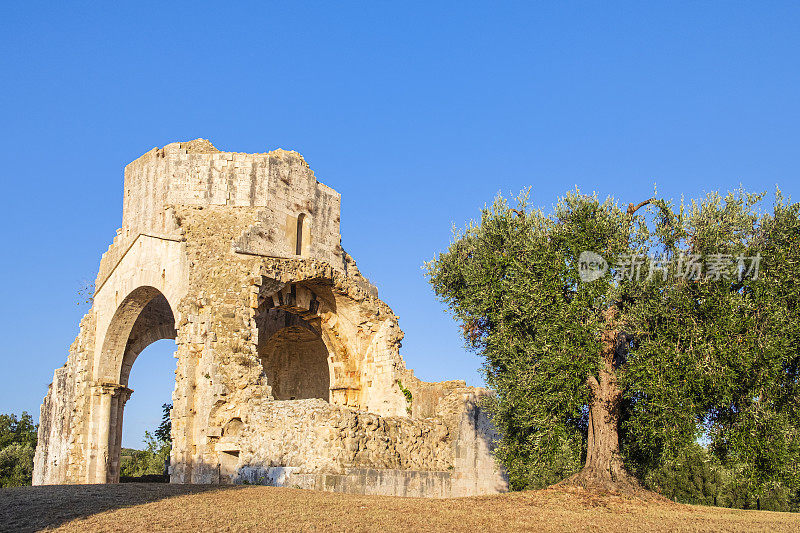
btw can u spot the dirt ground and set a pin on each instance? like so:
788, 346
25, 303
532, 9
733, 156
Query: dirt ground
159, 507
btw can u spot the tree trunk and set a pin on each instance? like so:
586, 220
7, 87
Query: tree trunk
603, 457
604, 469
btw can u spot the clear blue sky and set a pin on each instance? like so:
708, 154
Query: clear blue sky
417, 113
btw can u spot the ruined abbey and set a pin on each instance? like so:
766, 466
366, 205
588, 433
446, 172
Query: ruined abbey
288, 364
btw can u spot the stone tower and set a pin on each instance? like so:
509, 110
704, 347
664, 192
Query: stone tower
288, 363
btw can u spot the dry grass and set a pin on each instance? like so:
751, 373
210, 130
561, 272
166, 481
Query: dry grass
154, 507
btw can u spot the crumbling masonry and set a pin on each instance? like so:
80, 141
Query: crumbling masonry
288, 364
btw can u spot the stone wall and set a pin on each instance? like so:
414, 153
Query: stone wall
289, 368
314, 444
279, 184
60, 450
316, 436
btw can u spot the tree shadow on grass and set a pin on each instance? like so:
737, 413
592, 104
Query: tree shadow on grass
36, 508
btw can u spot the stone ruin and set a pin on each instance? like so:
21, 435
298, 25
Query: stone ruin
288, 364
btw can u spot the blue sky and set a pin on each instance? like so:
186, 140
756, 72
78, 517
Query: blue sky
417, 113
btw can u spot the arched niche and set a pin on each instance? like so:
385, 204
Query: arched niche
293, 356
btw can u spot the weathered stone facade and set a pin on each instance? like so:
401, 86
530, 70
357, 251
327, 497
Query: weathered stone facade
289, 370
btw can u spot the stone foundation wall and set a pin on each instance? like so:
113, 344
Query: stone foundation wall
313, 444
410, 483
317, 436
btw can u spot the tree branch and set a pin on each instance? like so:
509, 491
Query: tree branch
633, 208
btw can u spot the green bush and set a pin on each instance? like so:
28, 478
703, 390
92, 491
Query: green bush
695, 476
150, 461
17, 447
16, 465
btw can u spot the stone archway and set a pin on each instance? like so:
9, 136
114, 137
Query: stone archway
299, 324
142, 318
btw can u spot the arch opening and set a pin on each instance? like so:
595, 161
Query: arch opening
142, 318
153, 380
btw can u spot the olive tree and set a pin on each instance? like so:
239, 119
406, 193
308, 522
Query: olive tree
614, 337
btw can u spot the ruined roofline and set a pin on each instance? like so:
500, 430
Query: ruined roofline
202, 146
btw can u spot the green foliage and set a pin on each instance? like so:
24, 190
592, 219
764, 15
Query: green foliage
17, 448
158, 445
693, 476
15, 430
741, 494
714, 355
696, 476
407, 394
16, 465
150, 461
164, 430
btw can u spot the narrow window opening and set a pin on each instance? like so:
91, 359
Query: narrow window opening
299, 248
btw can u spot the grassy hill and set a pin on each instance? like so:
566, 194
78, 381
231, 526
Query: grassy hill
154, 507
